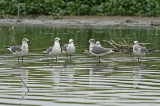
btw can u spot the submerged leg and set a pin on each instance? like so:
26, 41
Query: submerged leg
95, 58
99, 59
18, 59
52, 59
67, 58
140, 58
22, 59
70, 58
56, 58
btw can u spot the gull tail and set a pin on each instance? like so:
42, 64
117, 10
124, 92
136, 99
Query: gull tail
8, 47
149, 51
115, 50
44, 50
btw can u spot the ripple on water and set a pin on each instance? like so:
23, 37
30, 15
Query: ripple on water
117, 81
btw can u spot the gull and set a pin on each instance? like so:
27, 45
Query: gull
97, 50
69, 49
54, 50
98, 43
20, 50
139, 51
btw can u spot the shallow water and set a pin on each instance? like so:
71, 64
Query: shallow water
117, 81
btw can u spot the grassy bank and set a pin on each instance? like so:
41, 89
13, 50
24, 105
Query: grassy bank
81, 7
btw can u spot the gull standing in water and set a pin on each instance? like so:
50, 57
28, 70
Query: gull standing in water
20, 50
55, 50
97, 50
139, 51
69, 49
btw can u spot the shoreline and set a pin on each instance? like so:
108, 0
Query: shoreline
81, 21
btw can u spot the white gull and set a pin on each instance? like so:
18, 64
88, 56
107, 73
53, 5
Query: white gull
20, 50
54, 50
69, 49
139, 51
97, 50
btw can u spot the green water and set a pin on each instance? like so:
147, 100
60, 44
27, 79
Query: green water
117, 81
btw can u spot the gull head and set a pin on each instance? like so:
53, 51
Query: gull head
71, 41
98, 43
25, 40
91, 41
136, 42
57, 39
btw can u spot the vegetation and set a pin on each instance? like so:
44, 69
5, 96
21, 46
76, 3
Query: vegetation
81, 7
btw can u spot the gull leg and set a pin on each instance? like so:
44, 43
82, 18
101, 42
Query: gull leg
140, 58
52, 59
99, 59
95, 58
22, 59
56, 58
70, 58
18, 59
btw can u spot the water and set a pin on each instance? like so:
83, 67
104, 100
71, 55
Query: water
117, 81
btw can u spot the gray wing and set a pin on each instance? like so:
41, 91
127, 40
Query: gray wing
99, 50
16, 48
49, 50
144, 50
64, 48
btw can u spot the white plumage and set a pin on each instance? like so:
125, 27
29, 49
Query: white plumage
54, 50
20, 50
139, 51
98, 51
98, 43
69, 49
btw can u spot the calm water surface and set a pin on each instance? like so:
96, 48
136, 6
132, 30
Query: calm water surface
117, 81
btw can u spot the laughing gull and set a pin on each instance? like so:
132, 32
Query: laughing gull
69, 49
98, 43
97, 50
139, 51
20, 50
55, 50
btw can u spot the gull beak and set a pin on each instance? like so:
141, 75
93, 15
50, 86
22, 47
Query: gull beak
29, 41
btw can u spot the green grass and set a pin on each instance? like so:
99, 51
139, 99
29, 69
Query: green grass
81, 7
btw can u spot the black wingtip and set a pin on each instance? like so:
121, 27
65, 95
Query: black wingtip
115, 50
6, 46
150, 51
44, 49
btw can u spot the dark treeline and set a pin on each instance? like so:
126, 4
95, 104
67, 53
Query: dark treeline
81, 7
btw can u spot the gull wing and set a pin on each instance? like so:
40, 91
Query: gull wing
15, 48
100, 50
49, 50
64, 48
144, 50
